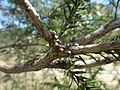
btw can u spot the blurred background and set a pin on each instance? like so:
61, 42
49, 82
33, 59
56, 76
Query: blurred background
20, 41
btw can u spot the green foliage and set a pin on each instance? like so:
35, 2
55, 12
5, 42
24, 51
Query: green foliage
70, 19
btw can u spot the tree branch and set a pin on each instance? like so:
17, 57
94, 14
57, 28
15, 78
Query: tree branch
38, 64
31, 13
94, 48
80, 64
98, 33
44, 62
33, 66
30, 65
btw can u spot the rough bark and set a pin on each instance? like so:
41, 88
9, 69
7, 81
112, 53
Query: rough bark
94, 48
110, 26
81, 64
31, 13
45, 62
60, 50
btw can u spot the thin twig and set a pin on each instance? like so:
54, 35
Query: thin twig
116, 9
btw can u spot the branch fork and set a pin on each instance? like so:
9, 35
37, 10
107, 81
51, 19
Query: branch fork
60, 50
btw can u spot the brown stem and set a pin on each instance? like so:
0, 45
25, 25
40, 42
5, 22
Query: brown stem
98, 33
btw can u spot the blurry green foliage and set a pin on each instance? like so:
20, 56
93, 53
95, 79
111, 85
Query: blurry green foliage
70, 19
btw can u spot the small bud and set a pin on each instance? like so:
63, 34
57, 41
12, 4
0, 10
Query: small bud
67, 44
69, 52
76, 44
56, 44
57, 40
56, 36
61, 49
